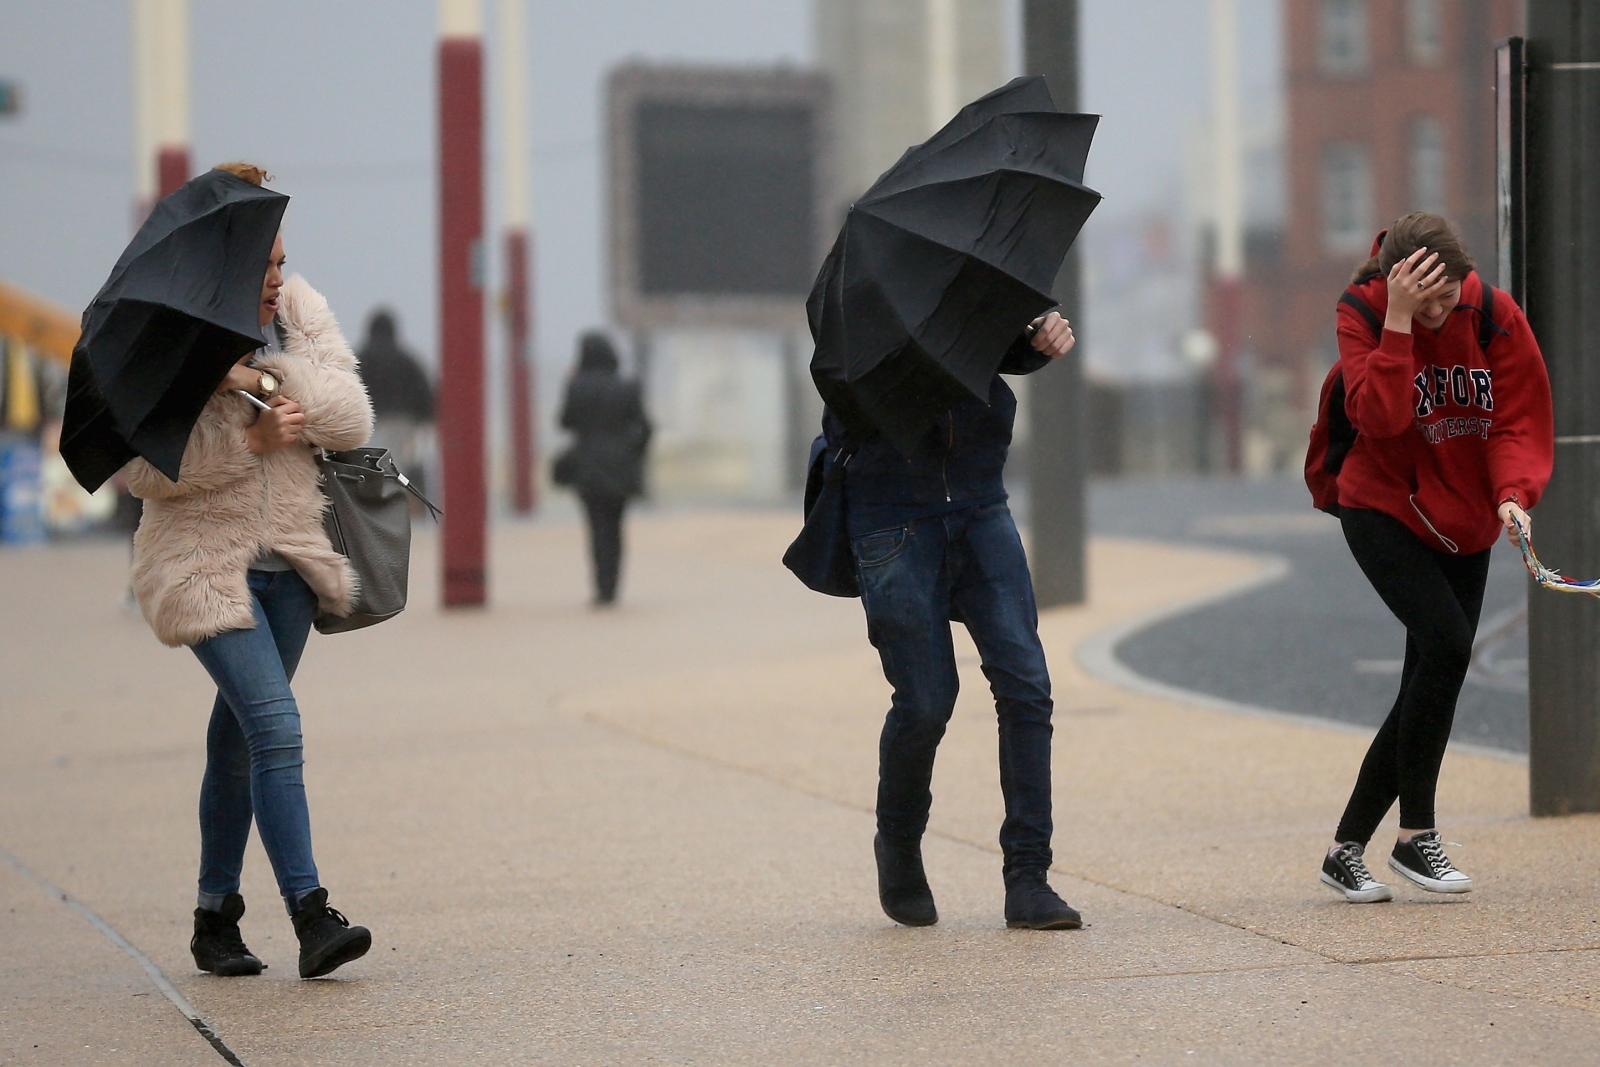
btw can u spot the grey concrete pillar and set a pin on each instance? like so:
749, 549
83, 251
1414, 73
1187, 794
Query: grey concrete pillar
1058, 458
1563, 305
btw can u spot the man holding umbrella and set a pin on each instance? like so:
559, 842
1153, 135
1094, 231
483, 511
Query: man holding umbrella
938, 284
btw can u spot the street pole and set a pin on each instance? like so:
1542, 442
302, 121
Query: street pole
1226, 284
461, 271
1563, 306
519, 252
161, 100
943, 62
1058, 457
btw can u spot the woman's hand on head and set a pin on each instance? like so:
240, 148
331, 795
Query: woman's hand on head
278, 427
1511, 514
1052, 335
241, 376
1412, 281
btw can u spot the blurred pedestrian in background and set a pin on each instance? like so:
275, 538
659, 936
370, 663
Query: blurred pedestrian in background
605, 465
402, 397
1449, 438
232, 560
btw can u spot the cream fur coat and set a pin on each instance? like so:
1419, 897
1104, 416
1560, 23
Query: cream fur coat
199, 534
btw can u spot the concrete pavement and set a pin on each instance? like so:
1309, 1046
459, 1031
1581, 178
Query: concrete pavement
645, 836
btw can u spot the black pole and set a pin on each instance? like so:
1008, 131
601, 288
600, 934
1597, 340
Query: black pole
1563, 306
1057, 459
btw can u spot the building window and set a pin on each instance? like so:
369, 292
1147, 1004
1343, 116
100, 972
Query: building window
1347, 199
1427, 166
1425, 32
1342, 37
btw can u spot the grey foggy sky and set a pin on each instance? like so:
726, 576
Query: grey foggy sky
336, 98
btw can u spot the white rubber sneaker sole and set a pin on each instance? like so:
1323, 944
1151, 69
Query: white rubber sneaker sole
1379, 891
1432, 885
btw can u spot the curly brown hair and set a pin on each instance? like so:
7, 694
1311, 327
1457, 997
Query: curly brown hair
248, 171
1421, 229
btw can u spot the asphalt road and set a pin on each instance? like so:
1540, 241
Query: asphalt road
1319, 642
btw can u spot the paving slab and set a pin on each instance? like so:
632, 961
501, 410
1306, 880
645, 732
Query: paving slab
644, 835
68, 995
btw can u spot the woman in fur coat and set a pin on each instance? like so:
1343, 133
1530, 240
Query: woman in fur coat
232, 561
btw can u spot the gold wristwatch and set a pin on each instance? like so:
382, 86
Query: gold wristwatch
267, 388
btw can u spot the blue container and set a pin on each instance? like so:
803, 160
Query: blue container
21, 510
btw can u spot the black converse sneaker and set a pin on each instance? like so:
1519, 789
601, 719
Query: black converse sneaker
1345, 869
1423, 861
327, 940
218, 947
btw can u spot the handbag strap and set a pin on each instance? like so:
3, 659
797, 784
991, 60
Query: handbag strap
405, 483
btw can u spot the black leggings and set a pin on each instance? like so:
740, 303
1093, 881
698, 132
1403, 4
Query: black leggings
1437, 597
605, 543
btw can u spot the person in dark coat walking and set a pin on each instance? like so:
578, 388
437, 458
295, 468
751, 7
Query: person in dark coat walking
934, 542
402, 397
606, 463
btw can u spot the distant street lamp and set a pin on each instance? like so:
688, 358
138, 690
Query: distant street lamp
161, 99
518, 222
1226, 295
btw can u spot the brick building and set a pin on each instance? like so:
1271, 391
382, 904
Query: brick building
1390, 110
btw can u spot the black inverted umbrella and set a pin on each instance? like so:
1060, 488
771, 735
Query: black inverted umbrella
180, 307
946, 259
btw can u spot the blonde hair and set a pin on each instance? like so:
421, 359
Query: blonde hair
248, 171
1421, 229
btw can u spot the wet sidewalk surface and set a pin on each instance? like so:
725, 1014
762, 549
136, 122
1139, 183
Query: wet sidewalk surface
644, 836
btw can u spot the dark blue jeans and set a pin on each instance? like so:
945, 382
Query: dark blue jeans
966, 565
253, 754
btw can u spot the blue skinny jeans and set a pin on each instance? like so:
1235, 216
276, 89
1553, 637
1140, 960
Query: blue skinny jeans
253, 751
968, 566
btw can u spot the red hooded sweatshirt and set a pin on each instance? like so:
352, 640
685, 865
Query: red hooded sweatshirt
1447, 431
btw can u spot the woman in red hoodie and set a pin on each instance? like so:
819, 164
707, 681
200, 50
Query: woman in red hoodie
1455, 439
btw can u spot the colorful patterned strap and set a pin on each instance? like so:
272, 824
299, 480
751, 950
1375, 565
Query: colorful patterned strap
1546, 577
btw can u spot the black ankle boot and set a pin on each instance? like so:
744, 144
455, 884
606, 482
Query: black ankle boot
902, 886
1031, 904
218, 946
327, 940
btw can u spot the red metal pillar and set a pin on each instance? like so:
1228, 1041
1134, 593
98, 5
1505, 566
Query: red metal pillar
524, 414
461, 270
1227, 326
172, 169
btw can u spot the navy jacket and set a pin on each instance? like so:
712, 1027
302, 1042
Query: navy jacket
958, 463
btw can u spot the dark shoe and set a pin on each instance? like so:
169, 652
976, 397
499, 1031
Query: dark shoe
1422, 860
218, 946
1032, 905
1345, 869
902, 886
327, 940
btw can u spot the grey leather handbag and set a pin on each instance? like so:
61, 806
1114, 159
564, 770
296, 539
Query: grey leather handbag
368, 521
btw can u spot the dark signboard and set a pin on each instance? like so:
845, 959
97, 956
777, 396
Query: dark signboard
727, 198
715, 180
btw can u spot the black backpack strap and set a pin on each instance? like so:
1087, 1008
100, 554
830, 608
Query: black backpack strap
1488, 329
1364, 309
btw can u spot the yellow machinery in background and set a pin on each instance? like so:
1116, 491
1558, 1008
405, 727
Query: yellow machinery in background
33, 330
46, 328
30, 324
